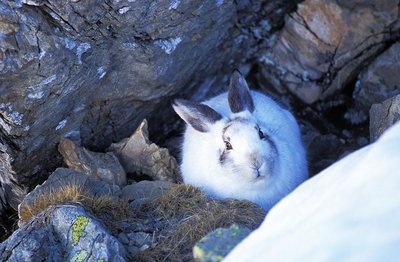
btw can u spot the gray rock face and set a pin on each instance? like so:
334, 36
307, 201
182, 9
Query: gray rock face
378, 82
92, 70
63, 178
324, 43
217, 244
64, 232
383, 116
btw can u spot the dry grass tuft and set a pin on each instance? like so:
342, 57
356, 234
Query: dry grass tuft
189, 215
102, 206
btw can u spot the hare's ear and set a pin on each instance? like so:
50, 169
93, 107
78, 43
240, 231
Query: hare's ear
239, 96
199, 116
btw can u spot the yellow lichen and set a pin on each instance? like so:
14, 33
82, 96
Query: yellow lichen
79, 256
78, 228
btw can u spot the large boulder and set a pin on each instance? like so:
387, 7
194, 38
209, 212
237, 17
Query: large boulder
92, 70
348, 212
325, 43
63, 232
376, 83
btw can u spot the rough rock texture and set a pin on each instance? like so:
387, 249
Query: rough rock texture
65, 232
63, 177
383, 116
324, 43
92, 70
140, 156
103, 166
217, 244
145, 191
376, 83
348, 212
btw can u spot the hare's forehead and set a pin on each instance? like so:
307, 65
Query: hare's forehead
239, 125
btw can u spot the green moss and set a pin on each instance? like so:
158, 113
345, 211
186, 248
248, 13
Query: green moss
78, 228
79, 256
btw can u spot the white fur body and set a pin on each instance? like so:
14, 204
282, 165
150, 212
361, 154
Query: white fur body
200, 157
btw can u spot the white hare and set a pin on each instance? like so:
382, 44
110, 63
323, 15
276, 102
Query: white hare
241, 144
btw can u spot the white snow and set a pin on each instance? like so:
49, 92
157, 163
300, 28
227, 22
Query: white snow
68, 43
349, 212
168, 45
219, 2
123, 10
101, 72
174, 4
61, 124
37, 91
82, 48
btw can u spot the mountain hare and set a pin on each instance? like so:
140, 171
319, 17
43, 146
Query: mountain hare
241, 144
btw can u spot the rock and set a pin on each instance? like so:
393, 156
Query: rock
383, 116
91, 72
65, 179
65, 231
217, 244
323, 45
102, 166
138, 155
145, 190
140, 239
379, 81
348, 212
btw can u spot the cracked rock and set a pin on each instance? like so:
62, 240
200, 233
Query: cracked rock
102, 166
63, 231
138, 155
323, 45
378, 82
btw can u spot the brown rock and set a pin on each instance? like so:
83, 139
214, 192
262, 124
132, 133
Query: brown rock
138, 155
383, 115
103, 166
324, 43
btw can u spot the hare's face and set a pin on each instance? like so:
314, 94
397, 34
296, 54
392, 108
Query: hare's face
246, 151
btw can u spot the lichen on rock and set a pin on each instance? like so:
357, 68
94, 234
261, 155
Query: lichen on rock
78, 228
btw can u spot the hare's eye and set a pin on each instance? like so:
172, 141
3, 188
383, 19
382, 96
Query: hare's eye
261, 134
228, 145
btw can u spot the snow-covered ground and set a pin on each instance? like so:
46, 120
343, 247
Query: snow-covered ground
349, 212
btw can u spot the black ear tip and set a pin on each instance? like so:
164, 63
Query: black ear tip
236, 72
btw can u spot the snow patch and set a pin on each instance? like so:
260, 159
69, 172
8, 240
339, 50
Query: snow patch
101, 72
61, 124
174, 4
68, 43
42, 54
10, 114
168, 45
348, 212
130, 45
123, 10
37, 90
219, 2
82, 48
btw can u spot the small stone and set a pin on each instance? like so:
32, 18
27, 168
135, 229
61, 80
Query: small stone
148, 190
123, 238
217, 244
133, 250
139, 238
